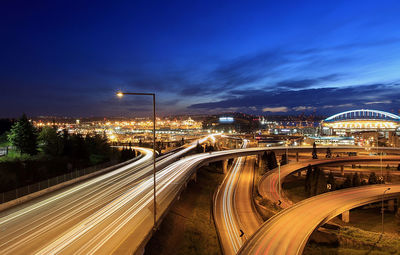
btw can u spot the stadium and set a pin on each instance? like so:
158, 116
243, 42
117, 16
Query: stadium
362, 120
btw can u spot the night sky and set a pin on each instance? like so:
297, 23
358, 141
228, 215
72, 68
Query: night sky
68, 58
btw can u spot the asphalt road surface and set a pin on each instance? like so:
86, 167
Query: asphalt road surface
269, 184
288, 231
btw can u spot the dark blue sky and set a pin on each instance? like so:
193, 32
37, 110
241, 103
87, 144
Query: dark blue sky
69, 57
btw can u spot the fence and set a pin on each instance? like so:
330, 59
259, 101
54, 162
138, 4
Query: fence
3, 151
31, 188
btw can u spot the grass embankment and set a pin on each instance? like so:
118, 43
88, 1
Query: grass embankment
357, 241
189, 226
360, 236
265, 208
293, 187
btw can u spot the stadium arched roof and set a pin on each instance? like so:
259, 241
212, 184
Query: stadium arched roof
363, 114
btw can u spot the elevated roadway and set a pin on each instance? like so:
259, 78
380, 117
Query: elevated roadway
288, 231
34, 225
111, 213
235, 216
268, 186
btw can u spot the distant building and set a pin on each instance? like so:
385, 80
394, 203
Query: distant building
330, 140
361, 120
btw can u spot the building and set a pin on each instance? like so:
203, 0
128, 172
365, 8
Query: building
362, 120
368, 127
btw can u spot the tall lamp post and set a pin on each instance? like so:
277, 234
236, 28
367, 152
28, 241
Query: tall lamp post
279, 180
121, 94
383, 209
287, 152
377, 150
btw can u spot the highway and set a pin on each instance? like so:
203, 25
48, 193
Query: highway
34, 226
108, 214
225, 216
288, 231
249, 218
233, 211
268, 185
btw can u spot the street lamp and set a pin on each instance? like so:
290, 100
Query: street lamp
287, 152
279, 180
383, 209
121, 94
377, 151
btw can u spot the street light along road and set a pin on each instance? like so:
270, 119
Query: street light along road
383, 208
120, 94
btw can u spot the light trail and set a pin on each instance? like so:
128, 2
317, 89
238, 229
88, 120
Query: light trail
65, 207
105, 221
224, 208
288, 231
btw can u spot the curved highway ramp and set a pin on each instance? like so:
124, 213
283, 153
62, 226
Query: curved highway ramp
288, 231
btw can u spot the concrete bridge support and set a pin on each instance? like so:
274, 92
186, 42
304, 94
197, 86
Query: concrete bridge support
391, 205
346, 216
297, 156
259, 160
342, 170
225, 165
398, 206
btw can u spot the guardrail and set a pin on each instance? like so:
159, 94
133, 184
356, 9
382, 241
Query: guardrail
38, 186
3, 151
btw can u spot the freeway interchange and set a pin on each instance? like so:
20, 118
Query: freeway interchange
112, 213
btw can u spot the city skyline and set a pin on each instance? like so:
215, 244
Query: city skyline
69, 59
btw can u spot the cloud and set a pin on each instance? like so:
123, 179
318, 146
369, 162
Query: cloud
275, 109
321, 99
379, 102
338, 106
303, 108
305, 83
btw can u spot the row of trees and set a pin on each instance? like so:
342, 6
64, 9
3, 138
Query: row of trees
315, 155
207, 148
269, 160
80, 150
317, 183
56, 153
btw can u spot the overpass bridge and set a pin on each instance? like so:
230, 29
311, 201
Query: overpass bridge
123, 225
288, 231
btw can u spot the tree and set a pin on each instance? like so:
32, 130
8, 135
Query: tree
328, 153
318, 181
264, 160
271, 162
347, 183
51, 142
23, 135
372, 179
307, 185
356, 180
283, 159
199, 148
314, 151
332, 181
321, 183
